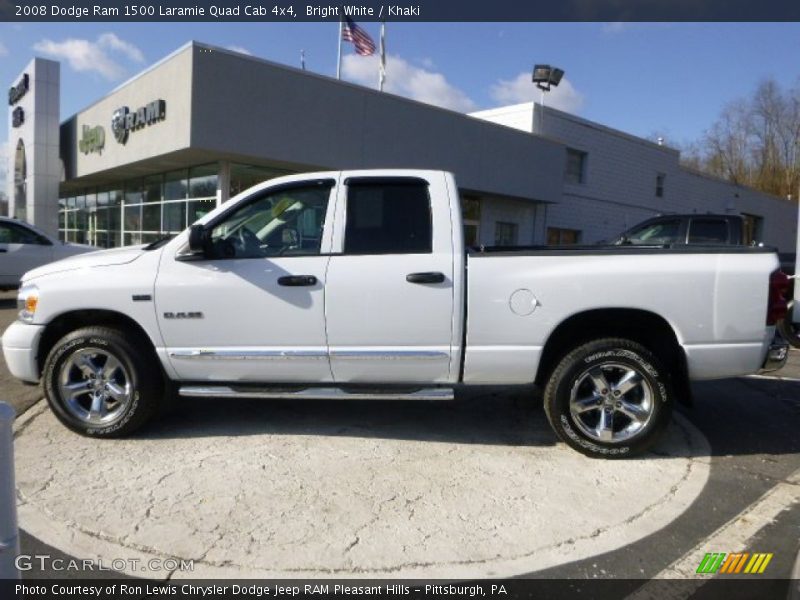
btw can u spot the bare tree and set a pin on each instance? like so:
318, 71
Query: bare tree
755, 142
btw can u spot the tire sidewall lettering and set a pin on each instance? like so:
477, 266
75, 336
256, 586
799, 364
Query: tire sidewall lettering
587, 356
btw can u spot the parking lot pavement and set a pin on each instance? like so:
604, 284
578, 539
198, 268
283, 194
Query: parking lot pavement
476, 487
279, 489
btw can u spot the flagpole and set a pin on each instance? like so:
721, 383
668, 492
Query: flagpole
339, 55
382, 72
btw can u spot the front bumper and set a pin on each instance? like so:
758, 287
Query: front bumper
20, 348
777, 353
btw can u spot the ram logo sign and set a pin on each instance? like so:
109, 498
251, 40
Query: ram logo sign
125, 120
735, 563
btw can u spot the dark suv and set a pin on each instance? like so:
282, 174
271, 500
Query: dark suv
688, 229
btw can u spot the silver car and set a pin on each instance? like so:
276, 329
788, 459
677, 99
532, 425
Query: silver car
23, 247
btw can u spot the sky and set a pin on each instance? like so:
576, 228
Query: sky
668, 79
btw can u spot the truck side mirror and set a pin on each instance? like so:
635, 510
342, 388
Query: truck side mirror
198, 239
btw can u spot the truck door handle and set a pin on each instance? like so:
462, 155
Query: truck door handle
430, 277
3, 250
297, 280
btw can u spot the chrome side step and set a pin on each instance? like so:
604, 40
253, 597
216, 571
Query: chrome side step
312, 393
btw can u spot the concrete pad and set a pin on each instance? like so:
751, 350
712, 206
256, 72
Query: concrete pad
288, 491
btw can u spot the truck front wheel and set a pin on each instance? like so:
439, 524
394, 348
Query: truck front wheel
609, 398
99, 382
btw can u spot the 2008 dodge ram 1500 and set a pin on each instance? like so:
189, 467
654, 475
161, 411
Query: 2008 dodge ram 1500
357, 284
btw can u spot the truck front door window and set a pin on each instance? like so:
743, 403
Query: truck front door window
289, 222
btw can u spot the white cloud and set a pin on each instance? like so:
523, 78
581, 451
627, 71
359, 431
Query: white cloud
3, 49
112, 42
521, 89
84, 55
405, 79
240, 50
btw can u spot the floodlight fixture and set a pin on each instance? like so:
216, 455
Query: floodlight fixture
545, 76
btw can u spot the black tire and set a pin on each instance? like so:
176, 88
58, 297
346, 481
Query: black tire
581, 430
790, 331
138, 375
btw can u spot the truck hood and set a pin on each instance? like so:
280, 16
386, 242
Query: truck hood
101, 258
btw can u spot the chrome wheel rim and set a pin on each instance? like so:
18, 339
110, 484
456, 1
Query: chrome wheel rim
611, 402
94, 386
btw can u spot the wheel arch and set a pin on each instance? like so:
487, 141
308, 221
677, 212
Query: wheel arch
645, 327
72, 320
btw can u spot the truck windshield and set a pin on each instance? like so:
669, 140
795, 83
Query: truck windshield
663, 232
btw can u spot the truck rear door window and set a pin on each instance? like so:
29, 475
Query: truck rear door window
708, 231
388, 218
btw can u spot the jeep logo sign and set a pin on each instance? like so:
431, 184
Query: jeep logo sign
124, 120
93, 140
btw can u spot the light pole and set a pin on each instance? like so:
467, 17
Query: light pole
545, 76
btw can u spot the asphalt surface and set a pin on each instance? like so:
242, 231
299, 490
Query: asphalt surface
750, 425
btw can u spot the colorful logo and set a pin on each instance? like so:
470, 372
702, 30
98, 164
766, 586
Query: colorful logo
741, 562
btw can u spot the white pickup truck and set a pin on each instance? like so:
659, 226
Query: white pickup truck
358, 285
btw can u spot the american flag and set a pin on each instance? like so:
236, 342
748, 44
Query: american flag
360, 38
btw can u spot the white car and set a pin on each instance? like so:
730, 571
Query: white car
23, 247
357, 285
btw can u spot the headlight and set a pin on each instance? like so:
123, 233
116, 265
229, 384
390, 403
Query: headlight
27, 299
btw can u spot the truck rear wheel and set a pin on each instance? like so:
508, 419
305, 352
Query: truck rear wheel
609, 398
99, 382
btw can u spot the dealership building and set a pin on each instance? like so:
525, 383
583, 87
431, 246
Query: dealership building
205, 123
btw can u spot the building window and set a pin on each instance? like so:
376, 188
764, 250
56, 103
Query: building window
506, 234
660, 178
576, 166
471, 216
558, 236
751, 229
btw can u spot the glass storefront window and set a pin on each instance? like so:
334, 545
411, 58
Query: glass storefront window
175, 185
147, 208
246, 176
151, 217
200, 208
115, 197
174, 217
133, 218
203, 181
133, 191
153, 188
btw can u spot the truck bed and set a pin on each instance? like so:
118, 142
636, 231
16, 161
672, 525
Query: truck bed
600, 250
